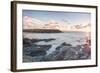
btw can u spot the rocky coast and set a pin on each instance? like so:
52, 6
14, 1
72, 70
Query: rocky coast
33, 52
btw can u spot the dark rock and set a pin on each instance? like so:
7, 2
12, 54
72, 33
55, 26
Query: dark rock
27, 58
63, 52
38, 40
87, 48
37, 53
36, 50
32, 59
38, 58
52, 56
70, 55
65, 44
27, 42
62, 45
67, 52
47, 40
35, 40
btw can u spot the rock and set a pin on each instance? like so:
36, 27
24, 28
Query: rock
62, 45
27, 42
65, 44
68, 53
61, 53
37, 58
27, 58
35, 40
64, 51
37, 53
32, 59
84, 56
38, 40
87, 48
84, 51
52, 56
36, 50
48, 40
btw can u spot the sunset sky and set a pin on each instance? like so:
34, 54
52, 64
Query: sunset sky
70, 18
64, 21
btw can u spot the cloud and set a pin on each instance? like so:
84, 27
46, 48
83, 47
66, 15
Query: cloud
33, 23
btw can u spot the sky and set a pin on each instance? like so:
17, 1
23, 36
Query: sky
71, 18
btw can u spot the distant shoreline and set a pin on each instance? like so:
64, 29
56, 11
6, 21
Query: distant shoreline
49, 31
42, 30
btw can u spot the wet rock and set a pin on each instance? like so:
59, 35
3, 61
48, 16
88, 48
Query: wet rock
84, 51
37, 58
62, 45
38, 40
64, 51
27, 58
36, 50
87, 48
65, 44
48, 40
52, 56
68, 52
37, 53
27, 42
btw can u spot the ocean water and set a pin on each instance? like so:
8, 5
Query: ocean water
73, 38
